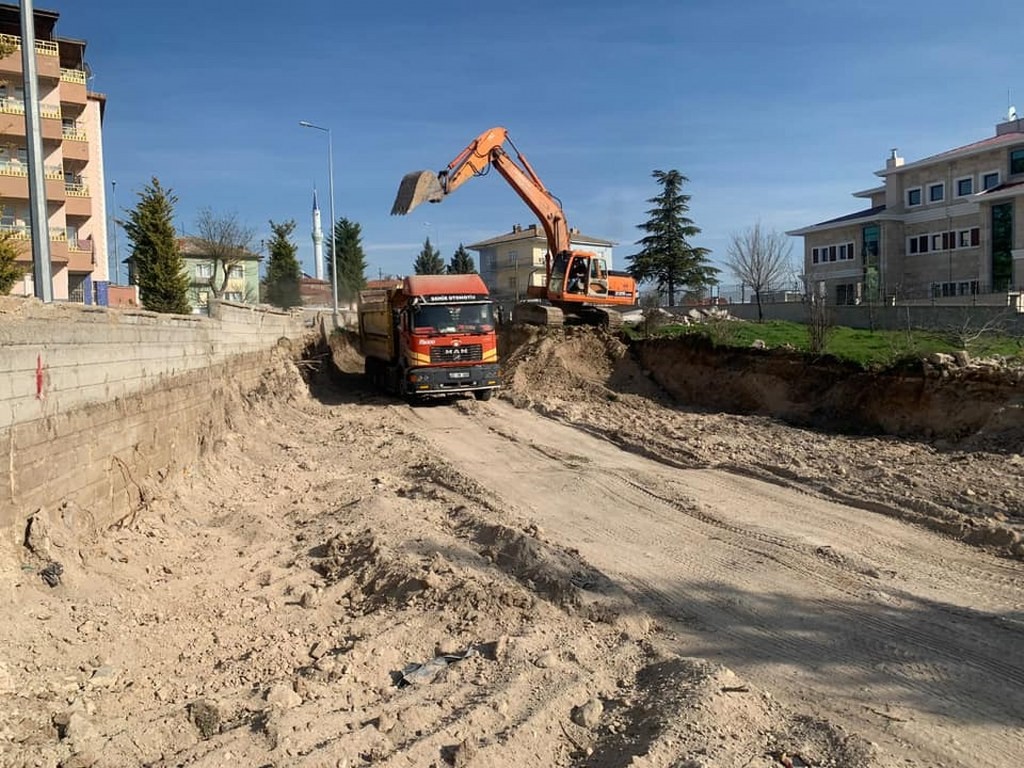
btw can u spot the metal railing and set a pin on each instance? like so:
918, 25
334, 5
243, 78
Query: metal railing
13, 106
74, 133
72, 75
24, 232
18, 168
43, 47
76, 189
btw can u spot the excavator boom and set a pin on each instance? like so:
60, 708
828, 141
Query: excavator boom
593, 290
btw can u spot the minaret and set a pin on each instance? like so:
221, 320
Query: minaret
318, 240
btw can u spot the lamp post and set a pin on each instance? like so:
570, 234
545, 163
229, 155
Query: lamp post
334, 252
113, 219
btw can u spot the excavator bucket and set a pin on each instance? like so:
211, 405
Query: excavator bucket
417, 187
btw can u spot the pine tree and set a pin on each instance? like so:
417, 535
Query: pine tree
10, 271
429, 261
666, 256
283, 270
159, 268
351, 260
461, 263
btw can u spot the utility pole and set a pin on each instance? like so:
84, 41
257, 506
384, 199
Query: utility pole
113, 218
42, 273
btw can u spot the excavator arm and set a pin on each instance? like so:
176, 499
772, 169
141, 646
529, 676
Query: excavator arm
484, 151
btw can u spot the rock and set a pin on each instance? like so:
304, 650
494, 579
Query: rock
283, 696
84, 759
588, 715
448, 647
462, 754
386, 722
319, 649
205, 717
546, 660
962, 358
941, 359
309, 599
37, 535
758, 344
103, 677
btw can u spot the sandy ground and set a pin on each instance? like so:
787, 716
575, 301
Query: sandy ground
576, 583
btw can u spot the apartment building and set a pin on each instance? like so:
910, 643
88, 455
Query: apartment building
71, 119
947, 228
511, 262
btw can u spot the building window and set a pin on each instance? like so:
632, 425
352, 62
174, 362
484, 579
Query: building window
1016, 161
965, 187
204, 271
990, 180
814, 255
236, 272
936, 193
845, 294
233, 296
913, 197
513, 258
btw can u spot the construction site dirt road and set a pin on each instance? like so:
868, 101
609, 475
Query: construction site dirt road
348, 580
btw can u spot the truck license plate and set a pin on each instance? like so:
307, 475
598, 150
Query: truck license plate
458, 375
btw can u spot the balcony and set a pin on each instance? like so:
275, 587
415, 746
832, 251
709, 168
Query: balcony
80, 256
73, 86
14, 181
47, 58
78, 202
12, 119
59, 252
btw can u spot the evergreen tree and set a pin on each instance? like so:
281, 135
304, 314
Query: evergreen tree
461, 263
283, 271
429, 261
351, 260
666, 256
159, 268
10, 271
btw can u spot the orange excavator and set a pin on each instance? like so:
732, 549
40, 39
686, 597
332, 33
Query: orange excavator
578, 286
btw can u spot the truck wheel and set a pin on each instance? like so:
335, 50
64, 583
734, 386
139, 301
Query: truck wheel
483, 394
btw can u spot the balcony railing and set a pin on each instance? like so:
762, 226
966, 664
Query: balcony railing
18, 168
74, 133
72, 75
17, 107
76, 189
43, 47
24, 232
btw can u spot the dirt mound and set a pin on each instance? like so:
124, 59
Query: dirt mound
345, 354
569, 364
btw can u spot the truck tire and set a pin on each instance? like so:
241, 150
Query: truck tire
483, 394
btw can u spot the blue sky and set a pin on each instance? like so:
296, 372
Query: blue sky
776, 111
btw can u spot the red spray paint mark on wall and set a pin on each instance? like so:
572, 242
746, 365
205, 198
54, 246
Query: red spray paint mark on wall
39, 377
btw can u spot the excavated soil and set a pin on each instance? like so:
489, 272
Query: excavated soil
970, 486
334, 585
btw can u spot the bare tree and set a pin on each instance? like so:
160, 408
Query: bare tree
225, 241
820, 324
760, 258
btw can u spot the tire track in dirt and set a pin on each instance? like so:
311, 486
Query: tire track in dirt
794, 591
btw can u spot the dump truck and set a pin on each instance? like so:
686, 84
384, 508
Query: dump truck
430, 336
578, 285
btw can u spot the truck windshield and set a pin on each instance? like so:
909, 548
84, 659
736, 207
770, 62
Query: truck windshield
453, 318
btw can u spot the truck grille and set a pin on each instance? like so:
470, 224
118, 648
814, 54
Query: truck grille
464, 354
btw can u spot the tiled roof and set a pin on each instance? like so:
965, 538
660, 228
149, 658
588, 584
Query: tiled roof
853, 216
967, 149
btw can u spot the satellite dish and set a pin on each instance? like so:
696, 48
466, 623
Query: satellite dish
1012, 113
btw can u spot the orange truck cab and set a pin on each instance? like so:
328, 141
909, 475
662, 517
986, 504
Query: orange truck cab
430, 335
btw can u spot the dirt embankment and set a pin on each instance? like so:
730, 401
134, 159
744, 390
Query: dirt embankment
691, 406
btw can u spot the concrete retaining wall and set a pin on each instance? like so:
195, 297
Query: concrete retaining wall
95, 402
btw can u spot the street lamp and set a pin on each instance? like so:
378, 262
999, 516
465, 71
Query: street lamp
334, 252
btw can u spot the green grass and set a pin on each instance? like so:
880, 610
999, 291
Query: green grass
867, 348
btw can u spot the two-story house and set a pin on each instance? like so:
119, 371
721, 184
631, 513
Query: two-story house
206, 275
944, 227
511, 262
